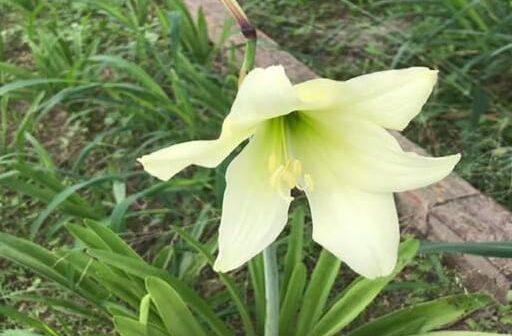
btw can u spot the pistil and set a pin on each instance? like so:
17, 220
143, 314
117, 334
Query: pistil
285, 171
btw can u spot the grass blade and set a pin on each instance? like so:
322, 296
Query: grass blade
318, 290
295, 247
458, 333
116, 220
142, 270
257, 275
292, 299
226, 279
424, 317
27, 320
62, 197
359, 295
487, 249
133, 69
173, 310
112, 240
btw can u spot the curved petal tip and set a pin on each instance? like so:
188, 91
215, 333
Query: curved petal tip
222, 265
155, 169
162, 165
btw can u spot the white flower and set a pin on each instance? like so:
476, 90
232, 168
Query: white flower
327, 138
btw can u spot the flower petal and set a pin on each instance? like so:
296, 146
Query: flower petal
359, 228
167, 162
365, 156
264, 94
379, 164
253, 213
388, 98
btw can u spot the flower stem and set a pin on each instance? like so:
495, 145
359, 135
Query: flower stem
249, 33
271, 291
248, 63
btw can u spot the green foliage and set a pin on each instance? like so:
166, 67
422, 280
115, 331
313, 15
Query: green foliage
27, 320
424, 317
457, 333
139, 96
86, 87
317, 291
499, 249
228, 281
114, 280
358, 295
177, 318
109, 271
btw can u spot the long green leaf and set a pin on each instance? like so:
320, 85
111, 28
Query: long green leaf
502, 249
126, 326
176, 316
87, 237
14, 70
66, 306
291, 302
360, 294
459, 333
62, 196
226, 279
133, 69
295, 247
129, 327
48, 265
18, 332
113, 11
116, 220
115, 243
27, 320
62, 95
115, 281
44, 156
27, 123
256, 272
190, 262
142, 270
317, 292
424, 317
21, 84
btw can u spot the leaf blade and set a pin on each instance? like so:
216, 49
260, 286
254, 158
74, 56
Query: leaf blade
176, 316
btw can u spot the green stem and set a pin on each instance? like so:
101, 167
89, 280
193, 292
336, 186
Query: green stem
249, 33
249, 57
271, 291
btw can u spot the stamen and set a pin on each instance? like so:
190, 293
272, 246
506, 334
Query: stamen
296, 167
275, 178
289, 179
287, 176
272, 163
309, 184
279, 177
285, 172
306, 183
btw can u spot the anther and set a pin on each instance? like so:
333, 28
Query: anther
288, 175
